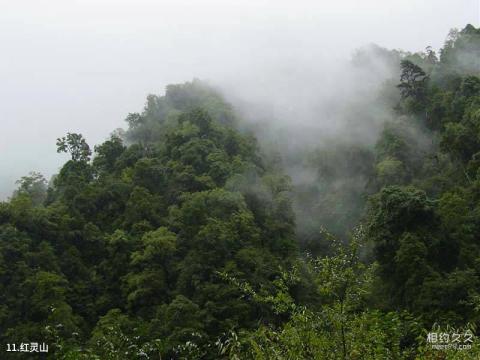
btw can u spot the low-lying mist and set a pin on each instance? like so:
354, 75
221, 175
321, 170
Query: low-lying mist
83, 66
322, 122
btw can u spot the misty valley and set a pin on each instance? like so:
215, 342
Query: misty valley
212, 228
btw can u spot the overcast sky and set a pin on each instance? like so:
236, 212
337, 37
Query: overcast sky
83, 65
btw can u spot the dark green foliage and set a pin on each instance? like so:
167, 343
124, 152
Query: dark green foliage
33, 186
413, 83
425, 235
178, 240
131, 243
76, 145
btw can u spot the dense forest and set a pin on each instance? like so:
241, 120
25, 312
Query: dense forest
184, 236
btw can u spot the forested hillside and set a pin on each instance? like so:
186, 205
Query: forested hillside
184, 237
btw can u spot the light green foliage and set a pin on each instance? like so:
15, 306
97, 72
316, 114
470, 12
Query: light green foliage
33, 186
340, 328
390, 171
